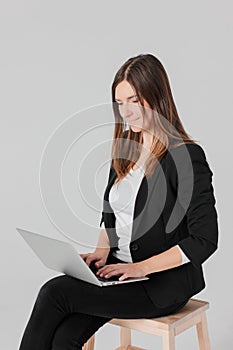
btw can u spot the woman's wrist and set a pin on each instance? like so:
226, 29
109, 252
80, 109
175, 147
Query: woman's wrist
103, 249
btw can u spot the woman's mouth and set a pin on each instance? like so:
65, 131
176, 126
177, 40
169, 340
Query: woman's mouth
133, 120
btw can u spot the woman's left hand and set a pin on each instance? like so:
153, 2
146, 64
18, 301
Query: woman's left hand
126, 270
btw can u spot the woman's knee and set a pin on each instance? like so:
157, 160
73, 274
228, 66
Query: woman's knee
51, 287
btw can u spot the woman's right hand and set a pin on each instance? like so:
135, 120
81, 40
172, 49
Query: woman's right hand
100, 255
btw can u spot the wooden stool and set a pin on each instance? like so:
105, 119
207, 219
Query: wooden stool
193, 313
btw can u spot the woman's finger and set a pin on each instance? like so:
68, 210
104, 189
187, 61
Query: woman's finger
84, 255
124, 276
106, 269
112, 272
99, 262
109, 267
90, 259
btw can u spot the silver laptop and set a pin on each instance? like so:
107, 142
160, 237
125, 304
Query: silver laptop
63, 257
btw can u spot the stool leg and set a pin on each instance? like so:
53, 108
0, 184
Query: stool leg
169, 340
125, 337
202, 333
89, 345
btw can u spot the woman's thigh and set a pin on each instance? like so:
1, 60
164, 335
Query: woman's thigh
90, 307
128, 300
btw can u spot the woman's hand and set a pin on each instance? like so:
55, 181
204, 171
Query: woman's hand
126, 270
100, 255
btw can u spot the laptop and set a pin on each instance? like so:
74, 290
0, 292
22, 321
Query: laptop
63, 257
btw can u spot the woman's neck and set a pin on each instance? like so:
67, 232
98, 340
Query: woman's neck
147, 140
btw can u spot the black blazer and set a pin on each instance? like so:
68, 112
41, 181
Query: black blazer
175, 206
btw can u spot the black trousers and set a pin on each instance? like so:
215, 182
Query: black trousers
68, 311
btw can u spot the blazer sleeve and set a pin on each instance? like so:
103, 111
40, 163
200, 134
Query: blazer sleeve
102, 225
201, 214
102, 219
109, 176
185, 259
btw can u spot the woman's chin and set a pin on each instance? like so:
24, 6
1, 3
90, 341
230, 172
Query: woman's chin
135, 128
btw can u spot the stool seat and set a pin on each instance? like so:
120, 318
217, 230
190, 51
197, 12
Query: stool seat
192, 314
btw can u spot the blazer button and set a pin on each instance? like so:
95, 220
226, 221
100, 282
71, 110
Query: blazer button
134, 246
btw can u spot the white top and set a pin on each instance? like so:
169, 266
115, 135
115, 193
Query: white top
122, 198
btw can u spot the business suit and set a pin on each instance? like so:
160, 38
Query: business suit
175, 206
68, 311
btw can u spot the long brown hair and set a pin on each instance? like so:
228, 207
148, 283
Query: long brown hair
147, 76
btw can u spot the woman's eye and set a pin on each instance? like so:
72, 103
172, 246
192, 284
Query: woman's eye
120, 104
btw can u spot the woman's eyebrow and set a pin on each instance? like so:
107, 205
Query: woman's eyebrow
127, 98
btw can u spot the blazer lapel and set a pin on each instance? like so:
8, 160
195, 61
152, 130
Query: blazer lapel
143, 197
144, 202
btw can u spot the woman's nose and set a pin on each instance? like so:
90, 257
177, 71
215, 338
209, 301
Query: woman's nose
126, 111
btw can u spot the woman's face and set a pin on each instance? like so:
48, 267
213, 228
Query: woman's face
129, 106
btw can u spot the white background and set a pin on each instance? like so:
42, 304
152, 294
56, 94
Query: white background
58, 57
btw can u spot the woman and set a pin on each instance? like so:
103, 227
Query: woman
158, 214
